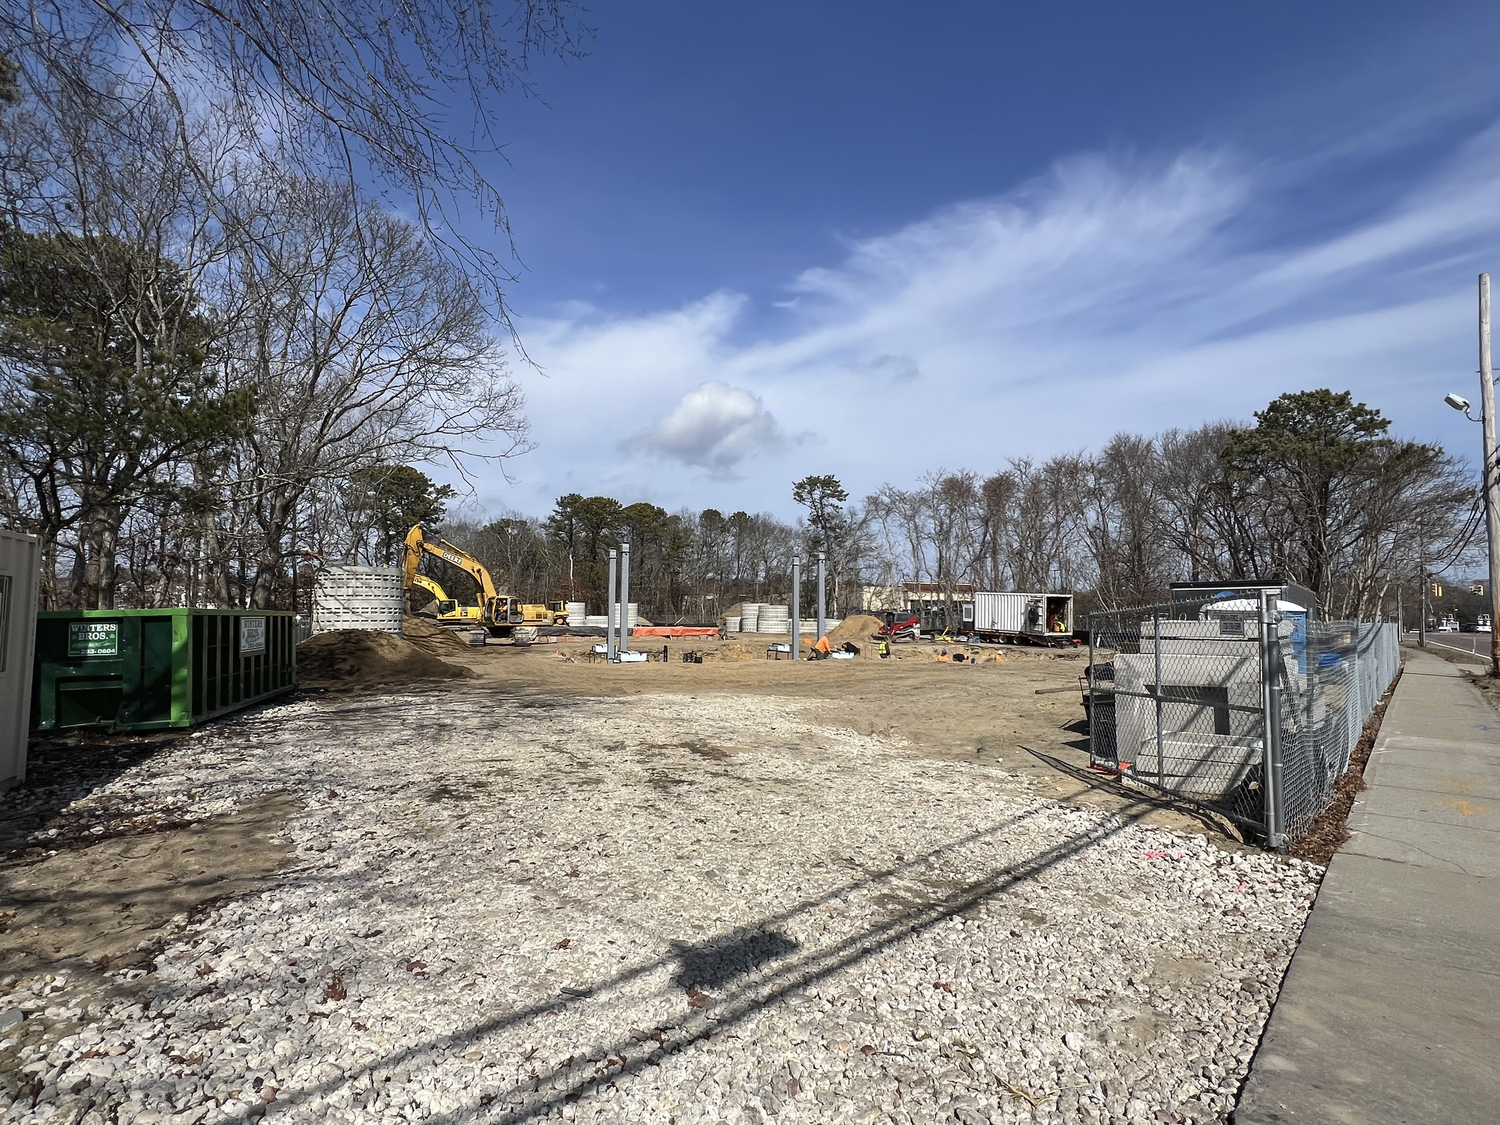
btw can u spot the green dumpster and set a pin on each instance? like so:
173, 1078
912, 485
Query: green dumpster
144, 669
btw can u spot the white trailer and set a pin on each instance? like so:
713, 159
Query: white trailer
19, 571
1036, 618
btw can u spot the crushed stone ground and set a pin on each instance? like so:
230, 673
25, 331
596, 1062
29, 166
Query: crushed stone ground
658, 908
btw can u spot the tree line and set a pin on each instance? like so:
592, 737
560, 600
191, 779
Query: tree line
1316, 491
686, 565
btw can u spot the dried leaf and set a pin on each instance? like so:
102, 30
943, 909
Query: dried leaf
638, 1035
793, 1088
563, 944
867, 1050
696, 999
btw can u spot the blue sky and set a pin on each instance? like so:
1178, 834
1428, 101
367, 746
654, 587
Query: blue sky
759, 241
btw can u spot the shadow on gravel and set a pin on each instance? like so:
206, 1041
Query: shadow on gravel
1106, 783
714, 963
770, 972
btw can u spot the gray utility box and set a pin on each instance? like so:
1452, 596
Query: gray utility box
19, 572
1031, 616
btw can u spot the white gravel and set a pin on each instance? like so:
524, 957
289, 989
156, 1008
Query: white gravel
671, 909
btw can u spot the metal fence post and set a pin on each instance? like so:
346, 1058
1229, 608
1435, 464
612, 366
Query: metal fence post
1275, 811
1160, 749
1093, 699
609, 609
1277, 833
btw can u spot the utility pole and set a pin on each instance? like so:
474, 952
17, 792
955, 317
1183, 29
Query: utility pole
1422, 589
1491, 484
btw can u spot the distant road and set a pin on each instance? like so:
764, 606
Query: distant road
1470, 642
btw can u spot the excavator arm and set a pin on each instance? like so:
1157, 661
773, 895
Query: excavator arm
498, 607
416, 546
432, 586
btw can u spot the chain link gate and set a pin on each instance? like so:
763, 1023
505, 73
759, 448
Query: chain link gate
1239, 708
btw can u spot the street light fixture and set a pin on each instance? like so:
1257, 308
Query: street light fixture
1459, 403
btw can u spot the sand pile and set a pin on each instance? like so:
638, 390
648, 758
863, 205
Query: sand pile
859, 629
353, 657
430, 637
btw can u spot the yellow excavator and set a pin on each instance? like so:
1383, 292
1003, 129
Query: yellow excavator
450, 611
498, 612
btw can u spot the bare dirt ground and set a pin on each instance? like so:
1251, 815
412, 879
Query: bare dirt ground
981, 712
741, 891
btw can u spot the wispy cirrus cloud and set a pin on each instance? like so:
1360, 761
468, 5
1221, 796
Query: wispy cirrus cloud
1107, 294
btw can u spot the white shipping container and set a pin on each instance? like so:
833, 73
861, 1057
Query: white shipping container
1022, 614
19, 570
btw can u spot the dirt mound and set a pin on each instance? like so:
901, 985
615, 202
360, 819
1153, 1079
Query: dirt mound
353, 657
430, 637
859, 629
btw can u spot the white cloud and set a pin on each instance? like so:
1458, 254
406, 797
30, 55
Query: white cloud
1103, 296
714, 427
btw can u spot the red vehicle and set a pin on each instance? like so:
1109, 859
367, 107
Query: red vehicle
900, 630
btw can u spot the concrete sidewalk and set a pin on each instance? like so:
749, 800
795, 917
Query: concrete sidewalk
1390, 1011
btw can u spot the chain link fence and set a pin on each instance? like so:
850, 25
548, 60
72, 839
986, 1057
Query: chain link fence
1327, 688
1236, 706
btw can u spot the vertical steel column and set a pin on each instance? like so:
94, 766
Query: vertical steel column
609, 609
624, 597
1160, 749
796, 606
822, 610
